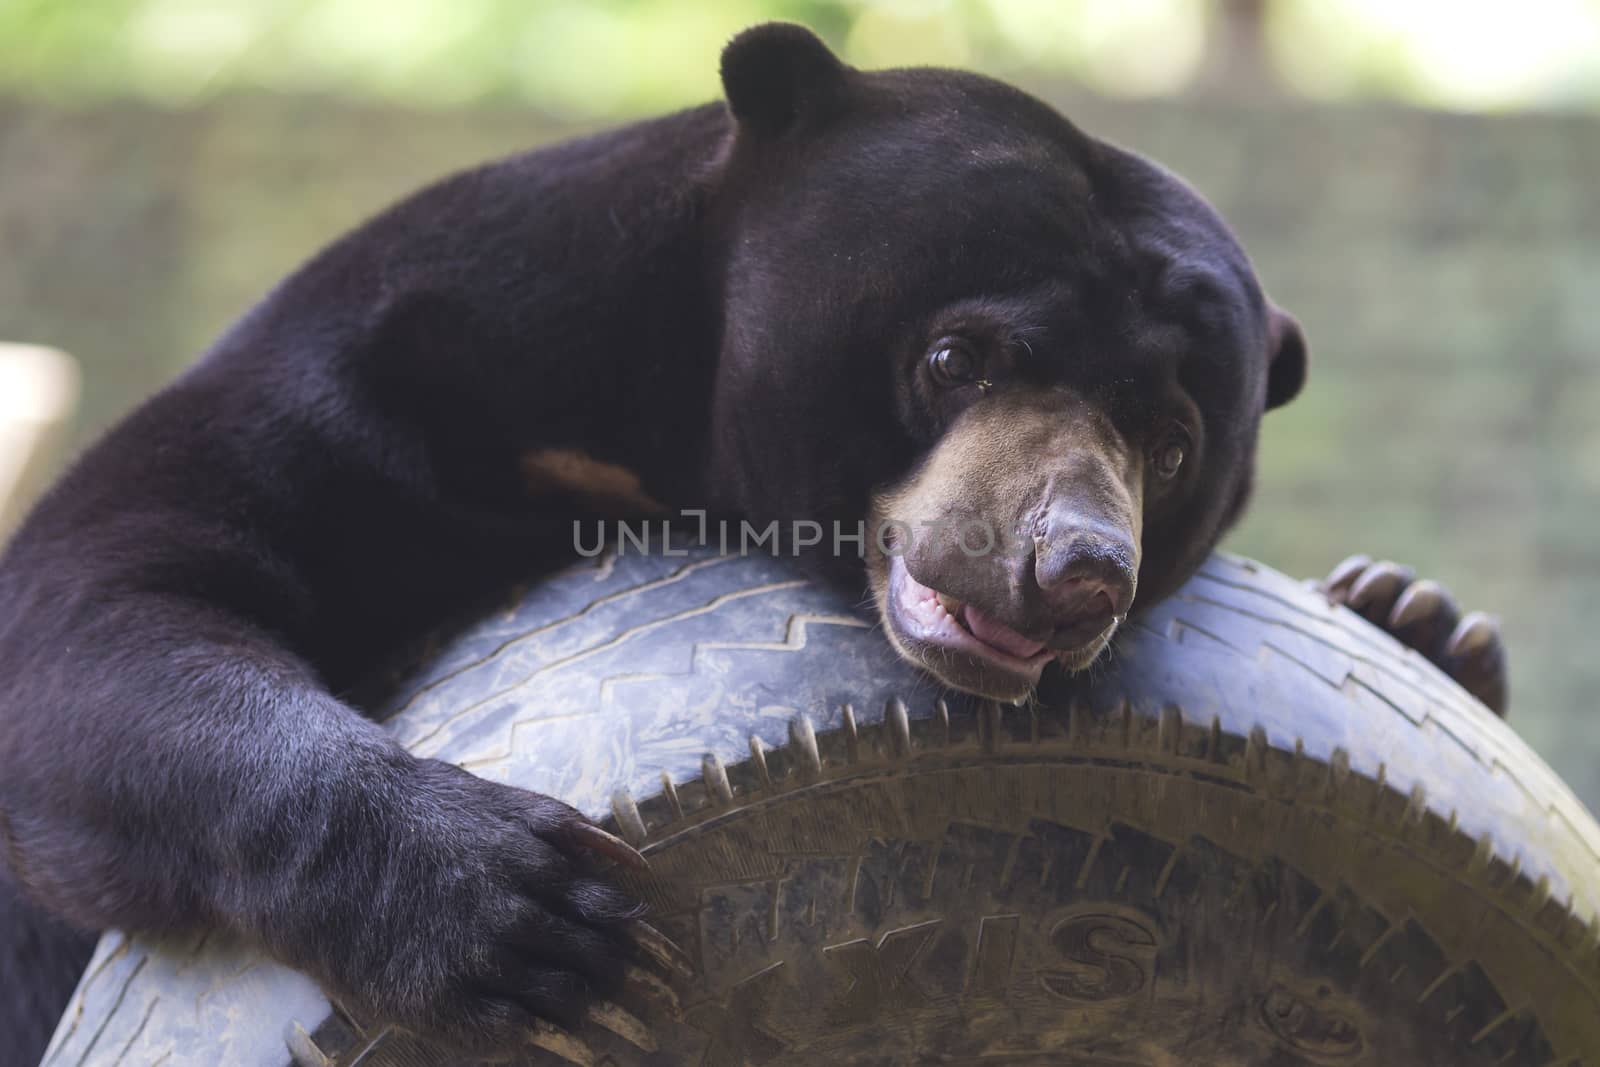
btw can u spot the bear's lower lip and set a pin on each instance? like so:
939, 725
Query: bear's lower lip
926, 617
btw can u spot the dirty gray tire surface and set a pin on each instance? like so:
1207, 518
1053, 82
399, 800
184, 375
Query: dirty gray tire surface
1265, 834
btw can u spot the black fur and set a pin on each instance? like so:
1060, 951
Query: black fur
40, 961
727, 308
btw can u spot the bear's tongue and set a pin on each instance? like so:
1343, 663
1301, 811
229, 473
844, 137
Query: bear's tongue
997, 634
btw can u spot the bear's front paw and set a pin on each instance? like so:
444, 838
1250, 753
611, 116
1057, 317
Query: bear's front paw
474, 915
1423, 615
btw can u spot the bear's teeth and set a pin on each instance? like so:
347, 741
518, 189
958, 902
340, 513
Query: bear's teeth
950, 604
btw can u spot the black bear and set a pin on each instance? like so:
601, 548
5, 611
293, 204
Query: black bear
912, 299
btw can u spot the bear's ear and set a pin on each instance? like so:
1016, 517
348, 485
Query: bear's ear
774, 73
1286, 357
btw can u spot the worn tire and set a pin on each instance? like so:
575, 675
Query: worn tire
1266, 834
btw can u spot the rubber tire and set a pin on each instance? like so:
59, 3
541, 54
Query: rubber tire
1264, 834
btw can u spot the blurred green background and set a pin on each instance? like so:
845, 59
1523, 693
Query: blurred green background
1418, 180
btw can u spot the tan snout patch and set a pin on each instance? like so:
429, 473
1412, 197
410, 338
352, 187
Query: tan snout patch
569, 470
1031, 471
1007, 459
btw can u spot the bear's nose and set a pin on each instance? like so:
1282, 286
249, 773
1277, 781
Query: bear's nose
1087, 576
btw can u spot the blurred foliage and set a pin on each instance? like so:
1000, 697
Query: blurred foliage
605, 58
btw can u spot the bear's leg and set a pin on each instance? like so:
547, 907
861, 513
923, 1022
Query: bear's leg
171, 769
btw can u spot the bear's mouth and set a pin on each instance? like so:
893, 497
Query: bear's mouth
968, 648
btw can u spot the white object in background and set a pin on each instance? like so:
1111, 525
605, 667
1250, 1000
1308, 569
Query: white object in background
38, 394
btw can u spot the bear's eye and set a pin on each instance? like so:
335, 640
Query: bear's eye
1168, 456
953, 363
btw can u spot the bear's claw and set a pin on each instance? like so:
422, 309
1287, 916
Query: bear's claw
608, 845
662, 950
1423, 599
1422, 614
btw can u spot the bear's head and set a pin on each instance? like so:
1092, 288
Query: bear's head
1034, 363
